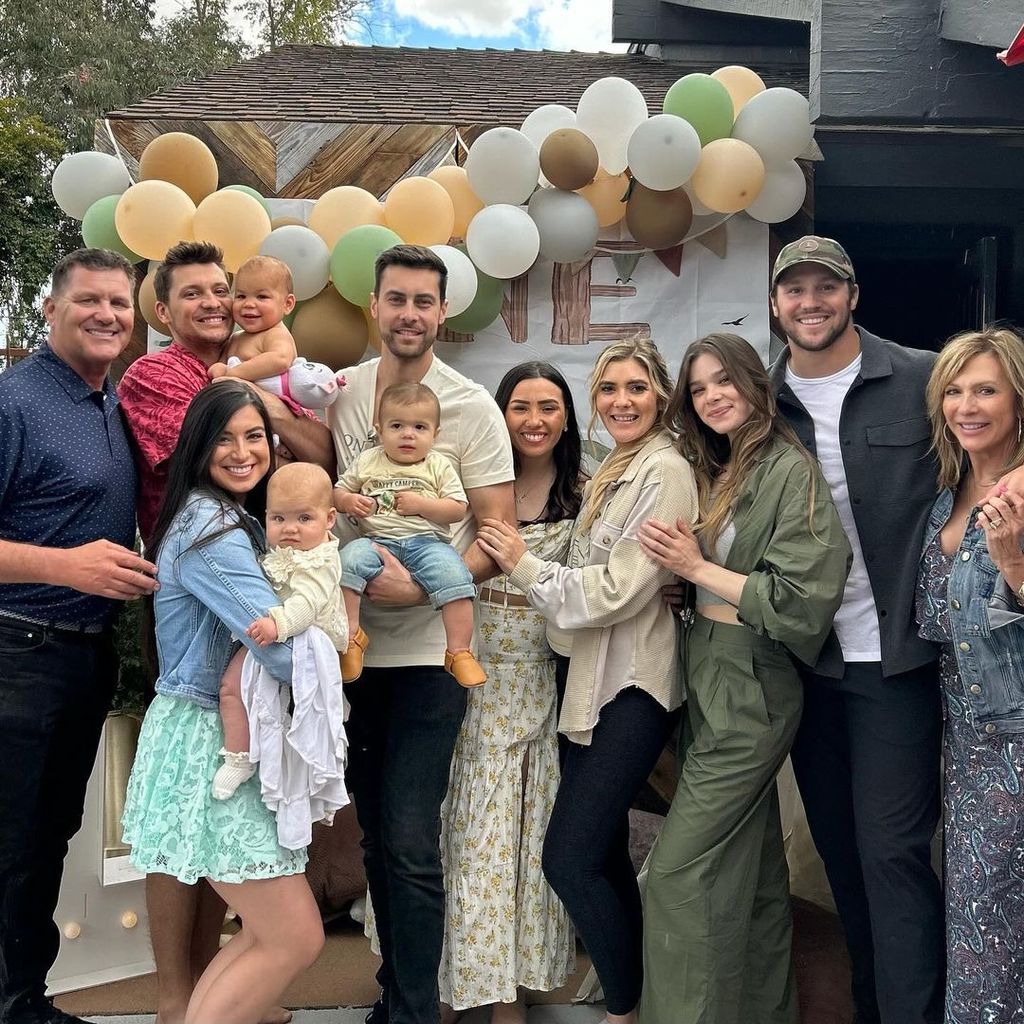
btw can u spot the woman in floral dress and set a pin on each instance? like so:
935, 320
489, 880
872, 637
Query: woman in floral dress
505, 930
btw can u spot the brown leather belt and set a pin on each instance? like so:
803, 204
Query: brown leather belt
503, 598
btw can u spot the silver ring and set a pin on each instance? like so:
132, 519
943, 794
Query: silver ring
997, 522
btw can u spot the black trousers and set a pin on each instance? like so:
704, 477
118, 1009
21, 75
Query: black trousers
55, 692
586, 847
866, 758
402, 731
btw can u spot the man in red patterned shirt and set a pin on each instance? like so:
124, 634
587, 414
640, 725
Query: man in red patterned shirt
194, 301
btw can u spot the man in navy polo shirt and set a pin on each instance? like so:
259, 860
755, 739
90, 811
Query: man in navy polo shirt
67, 526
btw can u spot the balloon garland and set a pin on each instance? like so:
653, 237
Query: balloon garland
722, 143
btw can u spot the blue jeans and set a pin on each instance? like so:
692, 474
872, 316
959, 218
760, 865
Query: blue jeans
433, 563
55, 691
402, 731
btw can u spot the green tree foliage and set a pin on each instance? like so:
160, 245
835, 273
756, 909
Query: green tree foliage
304, 21
29, 150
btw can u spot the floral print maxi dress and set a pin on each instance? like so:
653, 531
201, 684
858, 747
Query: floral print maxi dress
504, 927
983, 813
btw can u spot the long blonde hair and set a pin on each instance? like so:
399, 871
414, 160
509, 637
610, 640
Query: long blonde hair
709, 452
647, 355
1008, 348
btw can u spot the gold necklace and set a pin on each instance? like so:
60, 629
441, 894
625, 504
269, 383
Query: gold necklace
522, 496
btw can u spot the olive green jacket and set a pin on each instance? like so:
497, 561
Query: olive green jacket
796, 572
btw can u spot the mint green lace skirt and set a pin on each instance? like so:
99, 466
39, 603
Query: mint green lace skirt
171, 821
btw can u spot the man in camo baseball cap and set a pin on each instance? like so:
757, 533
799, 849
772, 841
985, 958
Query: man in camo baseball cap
814, 249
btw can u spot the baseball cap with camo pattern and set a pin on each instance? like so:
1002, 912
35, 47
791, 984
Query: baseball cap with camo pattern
814, 249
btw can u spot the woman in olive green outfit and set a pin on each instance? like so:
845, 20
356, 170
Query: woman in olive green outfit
769, 568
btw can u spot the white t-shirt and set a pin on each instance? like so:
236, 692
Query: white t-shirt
473, 436
856, 622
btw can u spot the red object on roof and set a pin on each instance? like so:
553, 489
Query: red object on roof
1014, 53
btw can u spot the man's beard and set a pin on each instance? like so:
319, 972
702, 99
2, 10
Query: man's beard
828, 340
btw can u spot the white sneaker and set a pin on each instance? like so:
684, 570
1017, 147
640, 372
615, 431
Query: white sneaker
232, 773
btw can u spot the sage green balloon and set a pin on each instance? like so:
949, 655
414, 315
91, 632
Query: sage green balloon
353, 258
99, 231
483, 310
705, 103
250, 192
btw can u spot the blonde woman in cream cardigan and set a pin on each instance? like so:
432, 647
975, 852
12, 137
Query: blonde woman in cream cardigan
624, 683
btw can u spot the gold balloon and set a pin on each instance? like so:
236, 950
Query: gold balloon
568, 159
234, 221
151, 216
729, 177
340, 209
740, 83
656, 219
147, 301
607, 195
466, 202
327, 329
183, 160
420, 211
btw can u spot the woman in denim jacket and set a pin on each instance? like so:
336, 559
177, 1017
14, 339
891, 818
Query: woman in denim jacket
211, 589
970, 597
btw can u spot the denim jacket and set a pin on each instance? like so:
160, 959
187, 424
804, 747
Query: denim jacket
986, 625
209, 595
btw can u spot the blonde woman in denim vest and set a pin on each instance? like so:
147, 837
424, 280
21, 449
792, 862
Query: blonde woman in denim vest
971, 600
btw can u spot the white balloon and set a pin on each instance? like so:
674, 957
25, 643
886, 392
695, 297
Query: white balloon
782, 194
777, 123
462, 279
567, 224
503, 166
664, 152
544, 120
82, 178
306, 255
609, 111
503, 241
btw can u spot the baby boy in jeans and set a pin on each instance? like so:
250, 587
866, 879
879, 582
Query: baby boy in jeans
406, 497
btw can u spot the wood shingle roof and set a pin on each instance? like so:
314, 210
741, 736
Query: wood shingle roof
376, 84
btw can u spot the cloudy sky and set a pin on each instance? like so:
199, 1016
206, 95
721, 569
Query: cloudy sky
527, 24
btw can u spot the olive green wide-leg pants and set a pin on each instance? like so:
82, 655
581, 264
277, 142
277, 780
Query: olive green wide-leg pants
717, 920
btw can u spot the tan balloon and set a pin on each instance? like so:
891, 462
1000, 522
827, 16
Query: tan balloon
658, 219
420, 211
327, 329
147, 301
283, 222
466, 202
340, 209
234, 221
740, 83
729, 177
183, 160
372, 330
151, 216
568, 159
606, 194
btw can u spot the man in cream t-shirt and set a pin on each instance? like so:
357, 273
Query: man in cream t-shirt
406, 710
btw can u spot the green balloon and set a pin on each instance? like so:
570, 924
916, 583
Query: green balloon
99, 232
483, 310
705, 103
353, 258
249, 192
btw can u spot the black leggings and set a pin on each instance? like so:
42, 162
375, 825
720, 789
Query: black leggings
586, 850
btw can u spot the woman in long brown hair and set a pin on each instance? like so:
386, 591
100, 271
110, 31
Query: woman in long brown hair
769, 560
